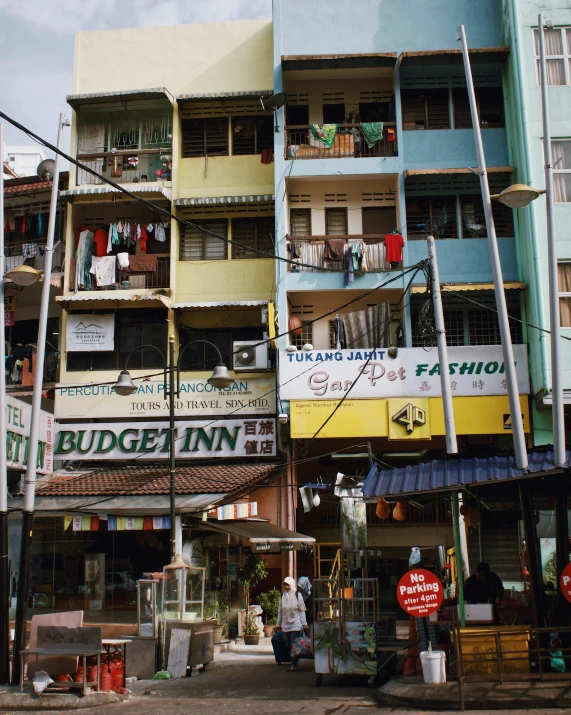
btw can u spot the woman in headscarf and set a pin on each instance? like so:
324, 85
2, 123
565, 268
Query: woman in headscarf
291, 615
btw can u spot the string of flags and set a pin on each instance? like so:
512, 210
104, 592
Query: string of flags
117, 523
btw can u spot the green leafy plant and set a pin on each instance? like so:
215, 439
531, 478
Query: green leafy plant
270, 602
251, 573
212, 611
251, 626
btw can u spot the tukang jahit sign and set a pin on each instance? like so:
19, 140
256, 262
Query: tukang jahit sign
328, 374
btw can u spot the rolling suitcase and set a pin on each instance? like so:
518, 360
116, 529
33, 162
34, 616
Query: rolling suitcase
281, 651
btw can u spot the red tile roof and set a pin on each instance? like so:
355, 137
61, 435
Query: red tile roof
138, 481
31, 186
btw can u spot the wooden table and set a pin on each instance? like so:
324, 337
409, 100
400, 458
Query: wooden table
74, 652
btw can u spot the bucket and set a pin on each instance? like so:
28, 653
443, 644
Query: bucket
433, 666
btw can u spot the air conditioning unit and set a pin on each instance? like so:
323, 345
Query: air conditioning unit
250, 356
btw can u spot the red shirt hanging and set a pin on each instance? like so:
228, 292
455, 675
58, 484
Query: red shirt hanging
394, 243
100, 240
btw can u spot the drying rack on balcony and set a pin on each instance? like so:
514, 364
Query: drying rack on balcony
310, 250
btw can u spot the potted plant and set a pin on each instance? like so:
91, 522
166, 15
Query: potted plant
251, 573
251, 632
270, 602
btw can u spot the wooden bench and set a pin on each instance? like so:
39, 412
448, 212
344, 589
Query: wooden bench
62, 642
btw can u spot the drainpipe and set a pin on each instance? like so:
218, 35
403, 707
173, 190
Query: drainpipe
526, 179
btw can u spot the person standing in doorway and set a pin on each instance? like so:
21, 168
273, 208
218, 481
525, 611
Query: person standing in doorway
291, 616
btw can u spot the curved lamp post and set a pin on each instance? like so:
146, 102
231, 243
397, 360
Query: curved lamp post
125, 386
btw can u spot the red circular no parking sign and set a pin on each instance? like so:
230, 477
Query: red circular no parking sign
565, 582
419, 593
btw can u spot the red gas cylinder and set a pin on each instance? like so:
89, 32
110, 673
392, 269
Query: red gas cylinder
62, 678
78, 676
120, 672
106, 679
91, 673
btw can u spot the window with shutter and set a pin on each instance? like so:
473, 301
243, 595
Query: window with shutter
437, 108
413, 115
425, 109
205, 137
300, 222
254, 234
251, 135
196, 245
434, 216
473, 219
490, 102
336, 222
462, 116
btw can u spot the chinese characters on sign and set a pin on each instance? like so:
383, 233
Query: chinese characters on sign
90, 332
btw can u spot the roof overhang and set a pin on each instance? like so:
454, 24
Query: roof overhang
114, 296
197, 202
462, 170
464, 287
217, 96
223, 304
263, 536
456, 474
128, 95
327, 62
478, 56
163, 188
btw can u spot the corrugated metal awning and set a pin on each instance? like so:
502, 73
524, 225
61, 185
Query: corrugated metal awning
222, 304
244, 94
113, 295
478, 56
449, 475
262, 535
136, 188
199, 201
131, 95
431, 172
325, 62
463, 287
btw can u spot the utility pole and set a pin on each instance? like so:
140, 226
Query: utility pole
520, 448
31, 467
4, 560
449, 425
559, 454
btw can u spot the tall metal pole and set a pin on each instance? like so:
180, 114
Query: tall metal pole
520, 449
4, 560
172, 445
31, 467
459, 561
559, 455
449, 426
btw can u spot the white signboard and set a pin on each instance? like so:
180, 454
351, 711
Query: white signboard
150, 440
245, 396
88, 333
18, 418
328, 374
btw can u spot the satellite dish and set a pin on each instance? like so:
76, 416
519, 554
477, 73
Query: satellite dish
275, 102
46, 169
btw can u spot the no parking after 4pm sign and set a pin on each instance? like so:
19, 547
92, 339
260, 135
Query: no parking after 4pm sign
565, 582
419, 593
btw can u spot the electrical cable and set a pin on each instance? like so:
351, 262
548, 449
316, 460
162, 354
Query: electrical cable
159, 209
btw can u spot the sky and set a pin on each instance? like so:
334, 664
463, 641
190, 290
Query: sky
37, 40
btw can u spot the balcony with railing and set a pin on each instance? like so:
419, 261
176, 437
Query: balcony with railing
318, 253
330, 141
31, 252
135, 149
21, 368
146, 272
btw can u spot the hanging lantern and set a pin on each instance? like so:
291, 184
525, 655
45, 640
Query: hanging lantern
472, 517
399, 512
383, 509
463, 510
295, 325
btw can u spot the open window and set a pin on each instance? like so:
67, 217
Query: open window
254, 234
205, 137
251, 135
490, 102
425, 109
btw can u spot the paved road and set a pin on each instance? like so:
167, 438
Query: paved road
238, 684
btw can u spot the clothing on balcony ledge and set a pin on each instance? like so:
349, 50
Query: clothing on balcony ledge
142, 263
334, 250
325, 133
373, 132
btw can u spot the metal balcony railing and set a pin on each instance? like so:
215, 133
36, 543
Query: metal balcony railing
310, 250
350, 141
24, 374
126, 166
136, 280
31, 252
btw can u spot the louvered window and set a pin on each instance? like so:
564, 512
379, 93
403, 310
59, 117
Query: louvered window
336, 222
251, 135
255, 234
490, 104
205, 137
300, 222
434, 216
197, 245
425, 109
473, 220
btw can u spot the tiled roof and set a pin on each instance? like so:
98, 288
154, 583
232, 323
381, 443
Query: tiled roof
31, 186
137, 481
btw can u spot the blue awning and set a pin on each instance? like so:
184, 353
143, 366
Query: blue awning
447, 475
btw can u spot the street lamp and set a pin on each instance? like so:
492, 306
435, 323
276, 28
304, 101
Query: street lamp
125, 386
517, 196
23, 276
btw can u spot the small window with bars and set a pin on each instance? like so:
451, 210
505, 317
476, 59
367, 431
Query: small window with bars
198, 245
205, 137
474, 222
484, 329
251, 135
425, 108
305, 337
434, 216
336, 222
564, 280
300, 222
254, 235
